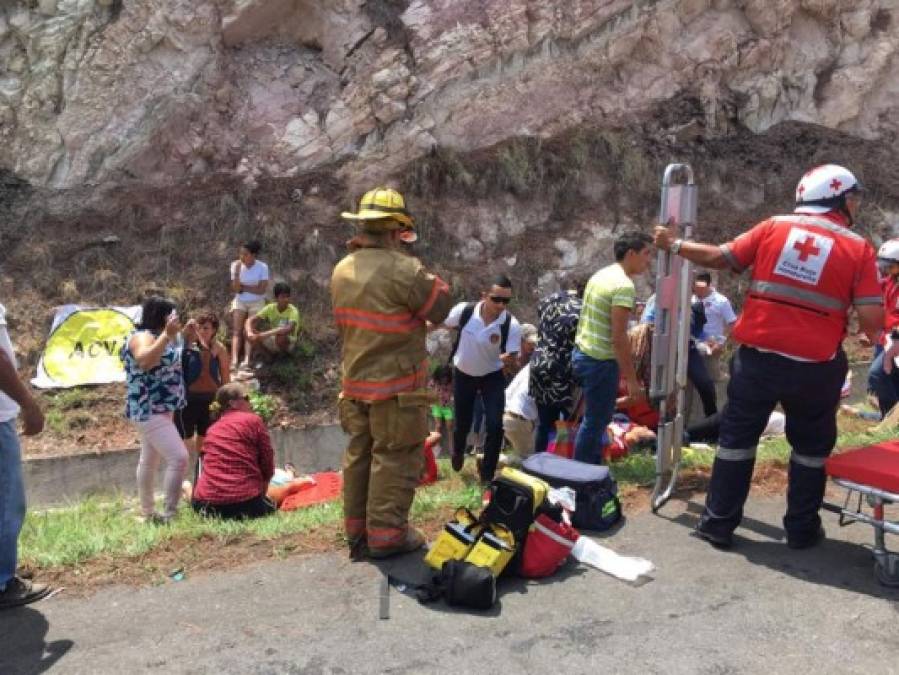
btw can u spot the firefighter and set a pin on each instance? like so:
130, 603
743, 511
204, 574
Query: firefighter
808, 269
382, 298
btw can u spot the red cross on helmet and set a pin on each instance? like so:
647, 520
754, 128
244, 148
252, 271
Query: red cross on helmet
822, 189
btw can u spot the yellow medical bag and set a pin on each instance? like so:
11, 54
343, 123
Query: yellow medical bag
493, 549
456, 540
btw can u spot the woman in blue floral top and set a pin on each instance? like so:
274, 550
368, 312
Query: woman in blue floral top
152, 358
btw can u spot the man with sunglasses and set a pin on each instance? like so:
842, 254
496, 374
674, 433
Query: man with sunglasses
489, 339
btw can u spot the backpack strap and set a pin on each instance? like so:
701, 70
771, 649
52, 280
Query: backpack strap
464, 318
504, 332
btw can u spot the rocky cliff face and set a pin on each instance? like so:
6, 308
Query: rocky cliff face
524, 131
158, 90
141, 140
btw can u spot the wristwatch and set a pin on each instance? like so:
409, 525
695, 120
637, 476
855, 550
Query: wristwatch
675, 246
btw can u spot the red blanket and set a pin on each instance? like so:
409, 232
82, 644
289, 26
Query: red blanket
328, 487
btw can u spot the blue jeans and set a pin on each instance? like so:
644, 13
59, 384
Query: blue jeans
599, 381
12, 500
885, 386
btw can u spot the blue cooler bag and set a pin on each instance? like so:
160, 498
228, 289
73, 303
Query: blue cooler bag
597, 506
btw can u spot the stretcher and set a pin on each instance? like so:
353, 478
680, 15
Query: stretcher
870, 476
671, 333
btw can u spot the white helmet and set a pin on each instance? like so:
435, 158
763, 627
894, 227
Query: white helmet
889, 251
822, 189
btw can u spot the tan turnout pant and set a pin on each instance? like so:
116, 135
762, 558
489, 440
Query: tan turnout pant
381, 466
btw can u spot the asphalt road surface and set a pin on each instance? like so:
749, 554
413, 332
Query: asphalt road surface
760, 608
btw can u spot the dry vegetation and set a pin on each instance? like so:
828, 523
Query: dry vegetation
111, 245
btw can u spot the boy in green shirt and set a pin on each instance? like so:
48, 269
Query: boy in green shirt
283, 321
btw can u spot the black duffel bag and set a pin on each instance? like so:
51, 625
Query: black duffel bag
459, 583
597, 506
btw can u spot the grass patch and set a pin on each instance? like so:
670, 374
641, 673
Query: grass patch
74, 535
92, 529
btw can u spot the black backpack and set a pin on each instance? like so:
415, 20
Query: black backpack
467, 312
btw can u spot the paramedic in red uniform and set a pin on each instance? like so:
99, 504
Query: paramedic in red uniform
808, 269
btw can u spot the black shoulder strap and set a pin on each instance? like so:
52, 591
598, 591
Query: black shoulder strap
464, 318
504, 333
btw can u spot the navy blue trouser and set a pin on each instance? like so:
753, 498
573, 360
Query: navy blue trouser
809, 394
547, 415
493, 390
884, 385
699, 377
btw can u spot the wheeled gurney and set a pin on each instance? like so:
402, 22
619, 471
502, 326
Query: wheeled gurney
870, 476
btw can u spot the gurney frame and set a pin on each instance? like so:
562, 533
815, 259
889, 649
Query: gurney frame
886, 563
672, 331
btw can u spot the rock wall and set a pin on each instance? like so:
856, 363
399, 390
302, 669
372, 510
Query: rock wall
97, 91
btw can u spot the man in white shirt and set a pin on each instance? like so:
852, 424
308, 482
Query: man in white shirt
14, 397
520, 417
719, 319
489, 339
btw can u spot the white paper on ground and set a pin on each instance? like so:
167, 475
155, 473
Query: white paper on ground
564, 496
606, 560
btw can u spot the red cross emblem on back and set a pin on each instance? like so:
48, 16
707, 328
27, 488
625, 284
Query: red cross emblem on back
835, 185
807, 248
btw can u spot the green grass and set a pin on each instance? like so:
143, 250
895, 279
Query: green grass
74, 534
93, 528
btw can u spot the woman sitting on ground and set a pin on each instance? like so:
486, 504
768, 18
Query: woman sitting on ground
236, 460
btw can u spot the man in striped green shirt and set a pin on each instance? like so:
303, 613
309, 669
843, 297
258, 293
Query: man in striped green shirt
602, 352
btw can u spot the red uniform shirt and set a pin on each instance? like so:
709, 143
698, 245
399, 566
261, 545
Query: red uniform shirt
237, 460
807, 270
890, 305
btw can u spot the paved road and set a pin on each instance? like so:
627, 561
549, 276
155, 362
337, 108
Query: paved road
758, 609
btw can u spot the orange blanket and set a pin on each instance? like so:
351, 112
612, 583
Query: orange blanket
328, 487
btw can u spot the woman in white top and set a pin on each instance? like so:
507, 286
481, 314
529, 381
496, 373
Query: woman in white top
249, 281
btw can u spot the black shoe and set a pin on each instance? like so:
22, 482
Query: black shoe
722, 541
458, 461
798, 542
21, 591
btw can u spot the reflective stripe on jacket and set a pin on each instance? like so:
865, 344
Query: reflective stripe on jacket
381, 299
806, 273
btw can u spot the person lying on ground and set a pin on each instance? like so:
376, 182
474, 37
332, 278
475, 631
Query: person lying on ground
644, 412
236, 460
283, 321
204, 363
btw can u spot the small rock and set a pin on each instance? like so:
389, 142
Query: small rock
296, 195
47, 7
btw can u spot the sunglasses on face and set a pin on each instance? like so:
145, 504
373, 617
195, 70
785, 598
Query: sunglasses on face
500, 299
